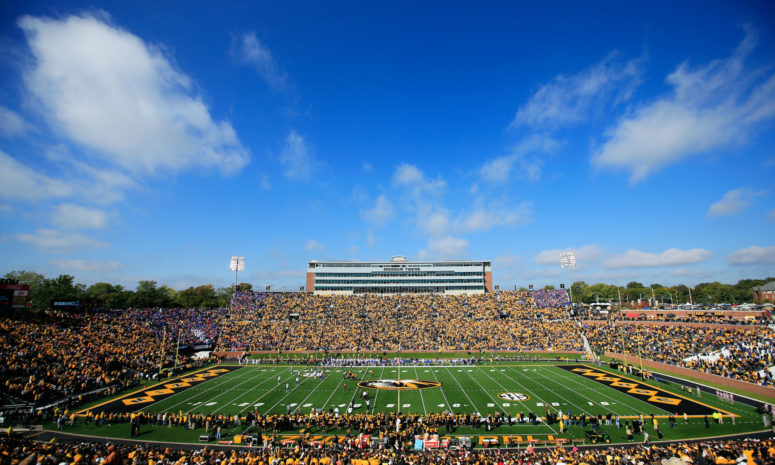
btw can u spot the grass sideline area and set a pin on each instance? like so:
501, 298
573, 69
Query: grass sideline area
505, 388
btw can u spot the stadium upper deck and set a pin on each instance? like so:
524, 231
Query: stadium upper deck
399, 276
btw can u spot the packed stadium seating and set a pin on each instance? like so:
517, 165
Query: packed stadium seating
56, 356
26, 452
741, 353
297, 321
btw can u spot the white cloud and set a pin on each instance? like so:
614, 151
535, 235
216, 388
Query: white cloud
54, 241
568, 99
85, 265
77, 217
483, 219
445, 248
110, 92
524, 160
586, 254
11, 124
424, 193
411, 176
313, 245
670, 257
249, 50
353, 250
264, 183
381, 213
367, 167
710, 107
371, 239
771, 216
20, 182
295, 157
5, 208
434, 220
753, 255
733, 202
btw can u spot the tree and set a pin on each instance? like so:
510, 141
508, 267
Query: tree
549, 287
148, 295
59, 288
579, 288
599, 292
114, 296
635, 285
244, 287
30, 278
223, 294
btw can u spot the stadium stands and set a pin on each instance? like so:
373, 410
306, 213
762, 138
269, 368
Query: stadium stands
488, 322
24, 452
57, 356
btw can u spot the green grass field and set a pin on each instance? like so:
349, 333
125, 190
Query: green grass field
506, 388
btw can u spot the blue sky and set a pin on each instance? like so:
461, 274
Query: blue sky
154, 141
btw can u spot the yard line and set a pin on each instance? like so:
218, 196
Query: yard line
228, 391
334, 391
355, 388
310, 393
446, 401
539, 372
497, 403
283, 397
223, 380
602, 392
265, 392
651, 407
522, 387
376, 394
422, 399
473, 404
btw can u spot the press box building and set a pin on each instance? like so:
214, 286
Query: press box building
399, 276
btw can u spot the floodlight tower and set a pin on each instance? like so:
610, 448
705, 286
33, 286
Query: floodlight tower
237, 264
568, 261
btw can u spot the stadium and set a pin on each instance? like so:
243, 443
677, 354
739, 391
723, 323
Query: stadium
386, 375
476, 233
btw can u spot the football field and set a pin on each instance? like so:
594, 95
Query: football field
507, 389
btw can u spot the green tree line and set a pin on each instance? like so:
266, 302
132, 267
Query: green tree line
147, 293
703, 293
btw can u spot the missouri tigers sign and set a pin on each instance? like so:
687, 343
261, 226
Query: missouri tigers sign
399, 384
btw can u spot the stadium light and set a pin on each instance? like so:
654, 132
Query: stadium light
568, 261
236, 265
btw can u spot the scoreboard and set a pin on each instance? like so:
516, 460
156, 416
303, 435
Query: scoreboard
13, 294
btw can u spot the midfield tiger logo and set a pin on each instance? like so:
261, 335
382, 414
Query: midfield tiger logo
399, 384
515, 396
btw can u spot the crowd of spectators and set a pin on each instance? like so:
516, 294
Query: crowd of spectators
49, 357
742, 353
493, 321
195, 325
53, 356
555, 298
16, 451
